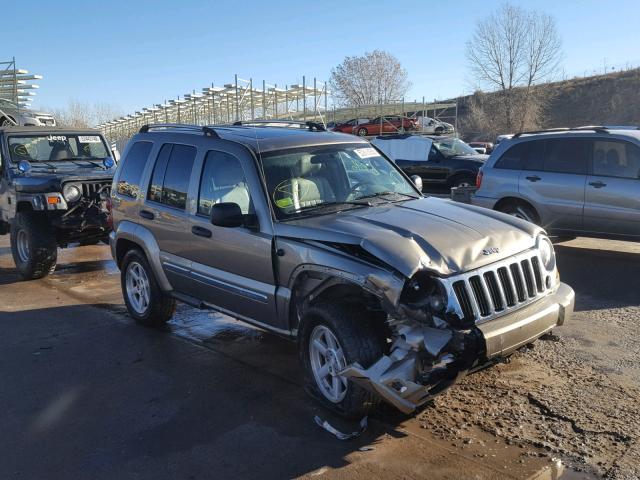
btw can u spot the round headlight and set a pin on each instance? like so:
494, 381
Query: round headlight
547, 255
71, 193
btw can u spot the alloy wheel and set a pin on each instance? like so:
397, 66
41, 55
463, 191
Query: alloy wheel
138, 290
327, 361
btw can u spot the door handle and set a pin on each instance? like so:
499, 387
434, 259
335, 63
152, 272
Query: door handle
533, 178
201, 231
147, 214
598, 184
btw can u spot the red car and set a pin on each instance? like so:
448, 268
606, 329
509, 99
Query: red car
388, 124
350, 125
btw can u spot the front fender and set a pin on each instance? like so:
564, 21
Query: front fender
141, 236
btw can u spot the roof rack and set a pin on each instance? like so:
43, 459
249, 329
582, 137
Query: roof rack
594, 128
208, 131
313, 126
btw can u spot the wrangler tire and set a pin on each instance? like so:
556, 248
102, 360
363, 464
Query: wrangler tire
33, 245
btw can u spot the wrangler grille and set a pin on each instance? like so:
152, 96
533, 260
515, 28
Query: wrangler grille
501, 287
90, 189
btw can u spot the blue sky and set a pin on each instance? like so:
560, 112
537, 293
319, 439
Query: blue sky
135, 53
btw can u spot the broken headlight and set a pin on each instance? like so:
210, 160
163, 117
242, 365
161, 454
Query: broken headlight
71, 193
425, 291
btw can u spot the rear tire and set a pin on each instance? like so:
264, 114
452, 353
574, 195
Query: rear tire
146, 303
33, 245
520, 210
464, 182
357, 339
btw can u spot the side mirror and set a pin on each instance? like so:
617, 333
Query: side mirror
417, 181
226, 214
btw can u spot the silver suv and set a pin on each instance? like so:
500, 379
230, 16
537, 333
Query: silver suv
573, 182
319, 237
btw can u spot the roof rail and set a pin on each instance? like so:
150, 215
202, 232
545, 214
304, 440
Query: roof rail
208, 131
594, 128
313, 126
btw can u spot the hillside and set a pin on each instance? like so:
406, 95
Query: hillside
611, 99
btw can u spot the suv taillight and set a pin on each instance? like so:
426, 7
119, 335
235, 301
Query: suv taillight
109, 207
479, 179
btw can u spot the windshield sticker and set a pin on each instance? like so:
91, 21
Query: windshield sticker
366, 152
20, 150
89, 139
57, 138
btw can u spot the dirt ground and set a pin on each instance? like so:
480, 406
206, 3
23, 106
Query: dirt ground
565, 408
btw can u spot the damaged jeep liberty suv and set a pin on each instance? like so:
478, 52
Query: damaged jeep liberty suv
319, 237
53, 192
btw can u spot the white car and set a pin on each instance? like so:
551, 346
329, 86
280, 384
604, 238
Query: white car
431, 125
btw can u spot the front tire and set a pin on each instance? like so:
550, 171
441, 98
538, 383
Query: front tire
33, 246
334, 336
362, 132
146, 303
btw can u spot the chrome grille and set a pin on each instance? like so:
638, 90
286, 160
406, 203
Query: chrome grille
499, 288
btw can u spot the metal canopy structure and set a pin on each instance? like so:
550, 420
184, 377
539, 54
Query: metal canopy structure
237, 101
17, 84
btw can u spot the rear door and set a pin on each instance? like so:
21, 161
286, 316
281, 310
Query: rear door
164, 209
232, 268
612, 199
554, 181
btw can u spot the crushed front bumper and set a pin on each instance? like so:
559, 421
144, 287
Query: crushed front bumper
508, 333
395, 377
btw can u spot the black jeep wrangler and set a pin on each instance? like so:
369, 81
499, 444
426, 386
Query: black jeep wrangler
54, 186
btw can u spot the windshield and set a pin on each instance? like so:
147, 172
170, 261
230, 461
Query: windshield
450, 147
331, 176
56, 148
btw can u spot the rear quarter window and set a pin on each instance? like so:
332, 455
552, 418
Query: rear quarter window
132, 167
522, 156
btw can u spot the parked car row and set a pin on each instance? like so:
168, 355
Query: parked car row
393, 124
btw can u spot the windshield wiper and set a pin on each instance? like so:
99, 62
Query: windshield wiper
387, 192
332, 204
80, 159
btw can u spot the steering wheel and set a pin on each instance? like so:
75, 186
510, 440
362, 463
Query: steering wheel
357, 186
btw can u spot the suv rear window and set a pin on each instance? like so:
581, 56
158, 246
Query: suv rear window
132, 167
171, 174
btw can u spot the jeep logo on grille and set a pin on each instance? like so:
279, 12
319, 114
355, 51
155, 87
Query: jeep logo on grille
490, 250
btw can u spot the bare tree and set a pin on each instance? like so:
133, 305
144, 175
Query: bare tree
79, 114
374, 77
511, 52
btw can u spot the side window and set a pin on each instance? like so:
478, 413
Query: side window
132, 167
616, 159
433, 153
523, 156
222, 181
157, 177
513, 158
567, 155
171, 174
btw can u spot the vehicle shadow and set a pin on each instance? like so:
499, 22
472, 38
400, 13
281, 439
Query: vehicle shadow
602, 279
90, 395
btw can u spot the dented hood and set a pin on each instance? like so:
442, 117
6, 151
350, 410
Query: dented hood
428, 233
